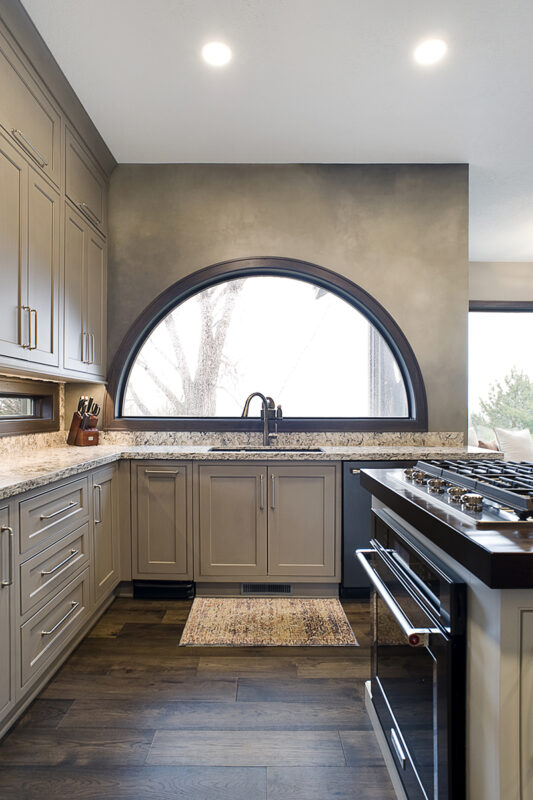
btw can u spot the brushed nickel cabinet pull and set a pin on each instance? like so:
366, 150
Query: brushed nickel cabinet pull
27, 346
87, 210
60, 511
262, 493
29, 147
73, 554
170, 472
34, 347
273, 491
7, 529
97, 486
61, 621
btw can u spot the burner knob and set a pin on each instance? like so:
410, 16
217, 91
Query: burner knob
456, 493
436, 485
420, 477
409, 472
473, 502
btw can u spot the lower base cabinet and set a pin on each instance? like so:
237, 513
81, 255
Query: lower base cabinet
162, 520
106, 533
7, 622
268, 521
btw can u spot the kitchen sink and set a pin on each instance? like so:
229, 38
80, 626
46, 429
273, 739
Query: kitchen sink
266, 449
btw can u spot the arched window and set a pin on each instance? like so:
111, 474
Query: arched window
320, 346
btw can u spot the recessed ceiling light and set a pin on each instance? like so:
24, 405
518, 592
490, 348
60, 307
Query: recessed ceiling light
216, 53
430, 51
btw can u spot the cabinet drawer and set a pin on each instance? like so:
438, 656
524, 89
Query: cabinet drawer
46, 571
47, 517
44, 635
29, 118
84, 184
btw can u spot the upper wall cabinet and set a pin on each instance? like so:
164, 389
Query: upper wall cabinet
29, 258
85, 296
27, 115
84, 183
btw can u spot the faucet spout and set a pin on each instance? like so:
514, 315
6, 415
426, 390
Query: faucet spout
268, 407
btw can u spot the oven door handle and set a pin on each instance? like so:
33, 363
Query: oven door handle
417, 637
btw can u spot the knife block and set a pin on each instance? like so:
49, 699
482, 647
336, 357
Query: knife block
87, 438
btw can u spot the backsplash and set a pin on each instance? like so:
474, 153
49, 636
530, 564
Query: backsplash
37, 441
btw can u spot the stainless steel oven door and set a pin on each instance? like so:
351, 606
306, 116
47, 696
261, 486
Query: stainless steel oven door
409, 679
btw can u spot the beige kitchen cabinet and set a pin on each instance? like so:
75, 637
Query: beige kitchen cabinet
85, 314
7, 599
162, 520
267, 521
29, 254
301, 520
106, 542
27, 114
232, 520
85, 185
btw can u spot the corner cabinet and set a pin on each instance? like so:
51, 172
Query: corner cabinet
106, 533
162, 520
268, 522
85, 323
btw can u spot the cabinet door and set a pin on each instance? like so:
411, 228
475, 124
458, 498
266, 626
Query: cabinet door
75, 342
96, 321
27, 115
84, 184
14, 321
43, 270
7, 632
162, 521
301, 521
233, 520
106, 553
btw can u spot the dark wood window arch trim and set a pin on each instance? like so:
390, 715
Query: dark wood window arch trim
312, 273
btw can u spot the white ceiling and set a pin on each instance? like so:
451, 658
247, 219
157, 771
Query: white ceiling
315, 81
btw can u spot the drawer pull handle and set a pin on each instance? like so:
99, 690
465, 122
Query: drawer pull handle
29, 147
399, 749
87, 210
59, 511
73, 554
98, 520
62, 620
9, 531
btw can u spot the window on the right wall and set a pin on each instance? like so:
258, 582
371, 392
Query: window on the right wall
500, 371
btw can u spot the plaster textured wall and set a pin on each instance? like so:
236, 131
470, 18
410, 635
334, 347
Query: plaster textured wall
400, 232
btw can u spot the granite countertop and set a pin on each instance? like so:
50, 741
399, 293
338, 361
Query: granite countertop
38, 467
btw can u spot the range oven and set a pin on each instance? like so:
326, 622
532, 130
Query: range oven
418, 660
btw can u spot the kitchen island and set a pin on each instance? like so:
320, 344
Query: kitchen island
495, 562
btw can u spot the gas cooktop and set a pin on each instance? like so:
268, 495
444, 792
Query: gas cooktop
487, 493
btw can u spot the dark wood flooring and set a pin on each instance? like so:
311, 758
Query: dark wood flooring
132, 716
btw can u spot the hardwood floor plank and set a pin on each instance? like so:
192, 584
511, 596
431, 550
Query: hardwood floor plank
240, 749
44, 713
209, 716
361, 748
83, 747
152, 685
326, 783
134, 783
302, 690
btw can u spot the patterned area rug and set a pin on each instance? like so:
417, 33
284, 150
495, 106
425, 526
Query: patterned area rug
267, 622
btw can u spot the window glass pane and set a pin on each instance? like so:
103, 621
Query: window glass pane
500, 372
313, 352
16, 407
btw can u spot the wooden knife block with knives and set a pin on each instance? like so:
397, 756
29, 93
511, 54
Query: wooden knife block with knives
83, 431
